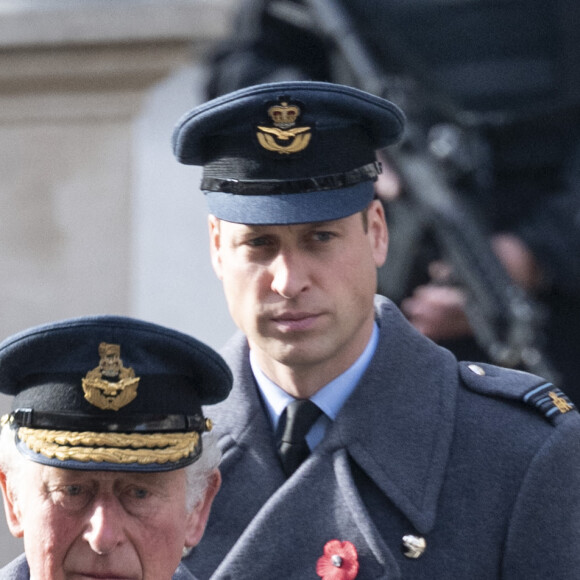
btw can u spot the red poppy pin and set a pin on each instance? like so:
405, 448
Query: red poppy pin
339, 561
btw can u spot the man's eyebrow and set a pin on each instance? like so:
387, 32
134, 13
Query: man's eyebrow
267, 228
327, 224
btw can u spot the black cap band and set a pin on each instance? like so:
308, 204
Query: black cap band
137, 424
368, 172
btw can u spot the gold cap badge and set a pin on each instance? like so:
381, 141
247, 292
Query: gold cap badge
110, 386
284, 137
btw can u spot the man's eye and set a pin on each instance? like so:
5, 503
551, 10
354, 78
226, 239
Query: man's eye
139, 493
257, 242
323, 236
71, 497
73, 490
140, 501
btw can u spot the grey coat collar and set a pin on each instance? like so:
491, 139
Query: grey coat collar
388, 426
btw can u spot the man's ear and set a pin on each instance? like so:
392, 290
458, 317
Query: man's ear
197, 519
378, 232
11, 507
214, 245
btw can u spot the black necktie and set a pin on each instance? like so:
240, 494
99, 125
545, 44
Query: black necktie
295, 422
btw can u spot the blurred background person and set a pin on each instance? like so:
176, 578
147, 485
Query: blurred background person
511, 69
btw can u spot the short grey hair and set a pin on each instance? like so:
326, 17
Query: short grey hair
199, 474
10, 458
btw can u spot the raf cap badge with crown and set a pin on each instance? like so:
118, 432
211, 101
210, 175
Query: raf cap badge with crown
284, 137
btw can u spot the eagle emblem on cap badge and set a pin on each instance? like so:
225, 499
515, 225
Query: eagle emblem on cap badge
284, 137
110, 386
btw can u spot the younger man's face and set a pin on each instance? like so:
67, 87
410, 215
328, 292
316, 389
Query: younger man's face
302, 294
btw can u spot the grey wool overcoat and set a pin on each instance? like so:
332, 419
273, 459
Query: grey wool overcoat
485, 469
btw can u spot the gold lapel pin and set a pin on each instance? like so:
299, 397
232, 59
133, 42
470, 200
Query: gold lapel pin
413, 546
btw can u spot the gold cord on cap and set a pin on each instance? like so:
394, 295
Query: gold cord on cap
118, 448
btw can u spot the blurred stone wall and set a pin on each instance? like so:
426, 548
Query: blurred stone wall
95, 214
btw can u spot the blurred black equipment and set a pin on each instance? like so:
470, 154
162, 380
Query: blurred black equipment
430, 162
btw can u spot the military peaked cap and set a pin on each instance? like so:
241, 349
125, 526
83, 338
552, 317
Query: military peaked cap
289, 152
110, 393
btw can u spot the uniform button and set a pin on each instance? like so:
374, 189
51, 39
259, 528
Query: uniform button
477, 370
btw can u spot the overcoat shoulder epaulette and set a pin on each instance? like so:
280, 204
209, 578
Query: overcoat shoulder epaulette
530, 389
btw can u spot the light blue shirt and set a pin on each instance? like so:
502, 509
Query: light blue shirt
329, 399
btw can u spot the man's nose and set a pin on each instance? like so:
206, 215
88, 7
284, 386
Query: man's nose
105, 530
289, 275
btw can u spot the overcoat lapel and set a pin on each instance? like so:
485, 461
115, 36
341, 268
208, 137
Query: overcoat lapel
398, 425
251, 471
287, 537
322, 500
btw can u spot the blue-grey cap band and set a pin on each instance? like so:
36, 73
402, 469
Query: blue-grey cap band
291, 208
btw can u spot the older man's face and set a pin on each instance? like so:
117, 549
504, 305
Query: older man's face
88, 525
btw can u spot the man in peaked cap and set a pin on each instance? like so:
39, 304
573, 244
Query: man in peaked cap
103, 466
360, 448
